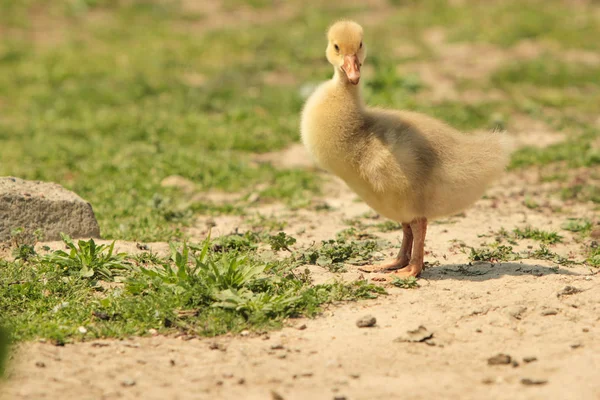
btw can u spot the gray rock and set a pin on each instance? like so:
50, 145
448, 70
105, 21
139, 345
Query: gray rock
49, 207
366, 322
420, 334
500, 359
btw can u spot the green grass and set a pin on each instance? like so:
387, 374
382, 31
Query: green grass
583, 226
202, 289
537, 234
406, 283
333, 254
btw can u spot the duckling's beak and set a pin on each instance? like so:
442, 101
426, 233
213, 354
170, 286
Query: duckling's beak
351, 67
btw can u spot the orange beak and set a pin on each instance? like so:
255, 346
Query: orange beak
352, 68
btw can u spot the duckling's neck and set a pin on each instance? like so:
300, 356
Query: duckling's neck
347, 92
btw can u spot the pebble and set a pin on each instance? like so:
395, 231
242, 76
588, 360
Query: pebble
276, 396
530, 382
529, 359
127, 382
366, 322
421, 334
500, 359
568, 290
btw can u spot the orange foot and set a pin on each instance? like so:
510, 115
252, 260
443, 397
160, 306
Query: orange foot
406, 272
387, 267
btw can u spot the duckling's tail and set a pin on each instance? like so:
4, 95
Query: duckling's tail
508, 144
495, 149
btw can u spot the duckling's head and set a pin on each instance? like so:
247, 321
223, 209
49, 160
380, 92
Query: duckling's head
346, 51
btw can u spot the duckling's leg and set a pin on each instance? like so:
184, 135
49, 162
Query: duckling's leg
415, 265
403, 257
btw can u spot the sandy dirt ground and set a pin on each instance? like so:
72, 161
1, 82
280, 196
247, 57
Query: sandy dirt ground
469, 314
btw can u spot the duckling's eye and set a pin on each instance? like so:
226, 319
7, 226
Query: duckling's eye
337, 48
360, 45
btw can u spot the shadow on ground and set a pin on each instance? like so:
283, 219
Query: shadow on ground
485, 271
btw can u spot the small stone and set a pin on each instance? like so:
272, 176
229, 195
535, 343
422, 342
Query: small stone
487, 381
101, 315
40, 364
516, 312
276, 396
277, 346
172, 363
529, 359
127, 382
216, 346
241, 381
568, 291
585, 330
354, 376
530, 382
339, 398
366, 322
100, 344
499, 359
515, 363
478, 330
245, 333
302, 327
421, 334
576, 345
549, 312
153, 331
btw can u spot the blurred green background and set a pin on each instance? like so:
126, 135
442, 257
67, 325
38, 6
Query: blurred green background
109, 97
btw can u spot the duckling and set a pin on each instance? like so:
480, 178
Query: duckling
407, 166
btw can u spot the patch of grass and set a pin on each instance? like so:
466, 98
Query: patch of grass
577, 151
537, 234
546, 71
333, 254
197, 290
353, 233
406, 283
544, 253
235, 242
577, 225
530, 203
388, 226
86, 259
4, 344
593, 257
281, 241
582, 193
494, 252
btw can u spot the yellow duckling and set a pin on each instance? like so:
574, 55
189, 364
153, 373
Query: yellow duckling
407, 166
